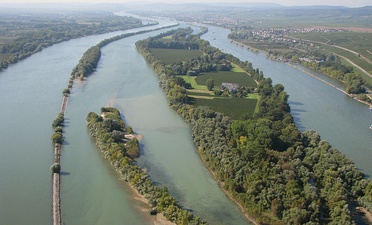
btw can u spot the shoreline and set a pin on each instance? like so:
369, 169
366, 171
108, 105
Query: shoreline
326, 82
159, 218
220, 184
249, 48
366, 213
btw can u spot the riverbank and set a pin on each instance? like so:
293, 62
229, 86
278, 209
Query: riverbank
242, 209
158, 219
302, 70
326, 82
367, 214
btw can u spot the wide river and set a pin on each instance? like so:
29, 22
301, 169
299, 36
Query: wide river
30, 96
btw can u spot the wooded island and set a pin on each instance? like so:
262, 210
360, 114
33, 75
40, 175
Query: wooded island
278, 174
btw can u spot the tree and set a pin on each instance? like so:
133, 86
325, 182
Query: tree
210, 84
56, 167
57, 138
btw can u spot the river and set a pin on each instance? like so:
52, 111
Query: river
30, 96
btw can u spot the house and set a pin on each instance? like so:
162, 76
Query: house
230, 86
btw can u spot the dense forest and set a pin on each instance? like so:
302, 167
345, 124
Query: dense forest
278, 174
108, 131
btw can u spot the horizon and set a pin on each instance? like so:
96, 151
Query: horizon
290, 3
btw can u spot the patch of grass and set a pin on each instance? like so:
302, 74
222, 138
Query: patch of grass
191, 80
219, 77
233, 107
169, 37
236, 68
169, 56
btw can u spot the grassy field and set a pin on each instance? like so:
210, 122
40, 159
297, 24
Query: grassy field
199, 95
236, 68
234, 107
220, 77
191, 80
169, 56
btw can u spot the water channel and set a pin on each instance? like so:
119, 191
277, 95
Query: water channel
30, 95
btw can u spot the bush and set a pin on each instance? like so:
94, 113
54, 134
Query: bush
57, 138
56, 168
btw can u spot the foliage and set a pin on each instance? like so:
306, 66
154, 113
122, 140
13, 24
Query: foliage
210, 84
66, 92
278, 174
119, 155
57, 138
87, 63
35, 32
58, 123
56, 168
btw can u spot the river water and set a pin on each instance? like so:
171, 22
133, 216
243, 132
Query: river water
30, 96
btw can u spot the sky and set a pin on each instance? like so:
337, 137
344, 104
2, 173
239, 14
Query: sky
347, 3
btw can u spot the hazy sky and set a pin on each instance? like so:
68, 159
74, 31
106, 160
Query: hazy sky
348, 3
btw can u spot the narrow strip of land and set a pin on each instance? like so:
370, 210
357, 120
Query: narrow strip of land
56, 192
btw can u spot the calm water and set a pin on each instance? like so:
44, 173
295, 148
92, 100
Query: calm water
30, 96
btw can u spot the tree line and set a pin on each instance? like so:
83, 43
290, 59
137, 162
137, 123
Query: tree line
278, 174
46, 33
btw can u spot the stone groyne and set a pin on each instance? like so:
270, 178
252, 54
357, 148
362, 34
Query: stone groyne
56, 180
56, 196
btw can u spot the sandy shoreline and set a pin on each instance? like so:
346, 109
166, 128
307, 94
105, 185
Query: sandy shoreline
158, 219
